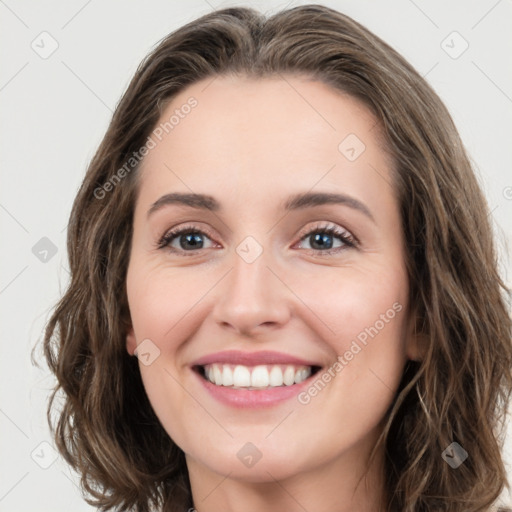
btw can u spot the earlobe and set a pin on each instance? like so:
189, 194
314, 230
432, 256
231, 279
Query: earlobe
417, 341
131, 342
417, 344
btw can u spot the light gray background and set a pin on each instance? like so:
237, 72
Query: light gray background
55, 111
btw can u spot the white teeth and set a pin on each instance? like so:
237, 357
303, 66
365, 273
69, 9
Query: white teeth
300, 375
217, 375
227, 375
256, 377
259, 377
276, 376
289, 375
241, 376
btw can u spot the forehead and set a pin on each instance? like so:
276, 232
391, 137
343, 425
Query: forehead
275, 132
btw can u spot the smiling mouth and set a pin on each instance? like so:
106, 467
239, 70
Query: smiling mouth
255, 377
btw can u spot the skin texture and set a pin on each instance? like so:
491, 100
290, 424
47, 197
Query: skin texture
250, 144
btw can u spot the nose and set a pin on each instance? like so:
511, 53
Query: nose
253, 298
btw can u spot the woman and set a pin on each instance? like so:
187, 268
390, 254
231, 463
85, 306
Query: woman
209, 358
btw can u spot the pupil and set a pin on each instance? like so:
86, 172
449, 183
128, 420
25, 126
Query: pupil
193, 239
321, 240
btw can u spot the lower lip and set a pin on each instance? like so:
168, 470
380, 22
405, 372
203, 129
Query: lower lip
253, 398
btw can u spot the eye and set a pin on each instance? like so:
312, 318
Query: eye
189, 239
321, 239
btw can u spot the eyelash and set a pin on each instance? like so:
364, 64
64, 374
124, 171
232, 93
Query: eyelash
349, 241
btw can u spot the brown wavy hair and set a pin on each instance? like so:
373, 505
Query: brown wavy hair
106, 428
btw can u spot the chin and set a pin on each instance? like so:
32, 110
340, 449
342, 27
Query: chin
246, 463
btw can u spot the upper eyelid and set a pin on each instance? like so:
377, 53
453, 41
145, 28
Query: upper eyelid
302, 233
324, 225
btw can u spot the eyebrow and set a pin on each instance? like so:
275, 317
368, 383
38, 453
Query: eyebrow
295, 202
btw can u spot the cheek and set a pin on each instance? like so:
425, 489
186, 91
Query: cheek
366, 315
350, 302
159, 300
161, 306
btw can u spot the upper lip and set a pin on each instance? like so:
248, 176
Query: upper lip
252, 358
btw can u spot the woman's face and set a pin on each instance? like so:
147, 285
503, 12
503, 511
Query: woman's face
259, 296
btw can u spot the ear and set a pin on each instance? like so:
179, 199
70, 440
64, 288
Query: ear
131, 342
417, 341
417, 344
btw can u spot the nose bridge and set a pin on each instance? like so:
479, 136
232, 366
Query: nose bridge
250, 273
252, 295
